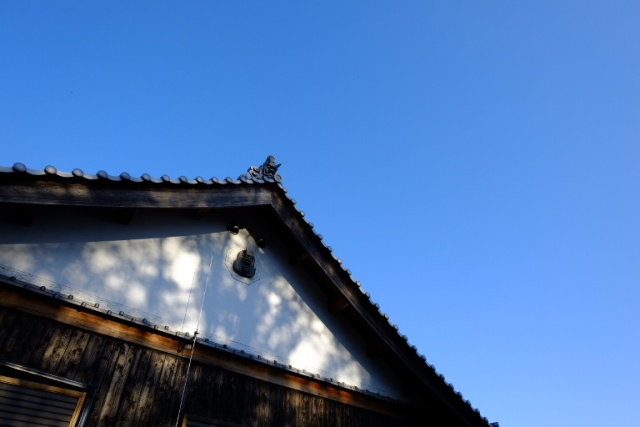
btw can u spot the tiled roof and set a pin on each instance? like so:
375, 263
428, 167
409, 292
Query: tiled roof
78, 175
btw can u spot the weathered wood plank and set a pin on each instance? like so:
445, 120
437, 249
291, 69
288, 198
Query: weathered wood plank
75, 348
291, 407
11, 334
316, 412
330, 413
56, 347
222, 395
276, 405
98, 376
103, 367
6, 318
91, 356
257, 404
34, 340
133, 389
146, 410
119, 196
110, 392
27, 340
198, 396
168, 388
232, 392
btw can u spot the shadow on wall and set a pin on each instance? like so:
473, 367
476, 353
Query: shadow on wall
160, 273
150, 277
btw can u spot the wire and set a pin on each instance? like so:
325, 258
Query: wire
195, 339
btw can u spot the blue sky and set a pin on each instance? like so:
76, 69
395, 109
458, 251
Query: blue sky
474, 164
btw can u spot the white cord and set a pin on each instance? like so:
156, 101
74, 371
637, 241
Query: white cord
193, 346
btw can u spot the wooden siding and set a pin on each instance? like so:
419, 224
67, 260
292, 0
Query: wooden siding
133, 385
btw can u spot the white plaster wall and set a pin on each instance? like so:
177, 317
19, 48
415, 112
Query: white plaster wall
166, 267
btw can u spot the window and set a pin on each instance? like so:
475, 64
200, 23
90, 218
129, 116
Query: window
28, 403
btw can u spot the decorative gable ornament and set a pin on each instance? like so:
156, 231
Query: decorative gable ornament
267, 171
245, 264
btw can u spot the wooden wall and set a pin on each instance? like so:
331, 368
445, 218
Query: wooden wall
133, 385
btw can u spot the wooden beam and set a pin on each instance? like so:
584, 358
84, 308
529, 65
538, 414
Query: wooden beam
200, 213
298, 258
375, 348
338, 303
114, 196
126, 215
82, 317
27, 214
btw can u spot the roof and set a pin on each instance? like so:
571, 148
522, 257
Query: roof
260, 188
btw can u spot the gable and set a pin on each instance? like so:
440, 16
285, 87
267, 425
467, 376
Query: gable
164, 267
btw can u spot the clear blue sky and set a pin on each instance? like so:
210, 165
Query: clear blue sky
474, 164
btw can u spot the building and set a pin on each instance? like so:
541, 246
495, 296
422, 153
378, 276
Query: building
190, 302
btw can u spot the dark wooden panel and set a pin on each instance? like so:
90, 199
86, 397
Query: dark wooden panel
147, 406
12, 331
119, 196
6, 319
36, 358
139, 386
75, 348
110, 389
169, 386
33, 343
56, 348
131, 408
89, 365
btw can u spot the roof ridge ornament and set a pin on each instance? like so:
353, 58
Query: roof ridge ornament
266, 171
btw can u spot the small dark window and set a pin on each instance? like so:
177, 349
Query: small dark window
27, 403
